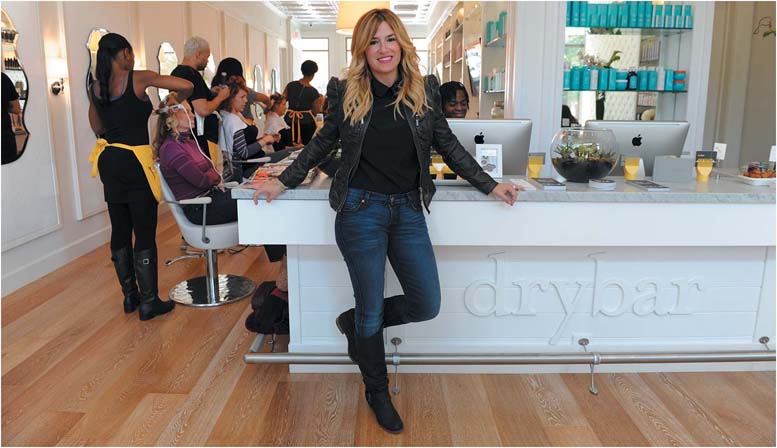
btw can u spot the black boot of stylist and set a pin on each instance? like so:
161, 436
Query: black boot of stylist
393, 314
125, 271
146, 270
372, 363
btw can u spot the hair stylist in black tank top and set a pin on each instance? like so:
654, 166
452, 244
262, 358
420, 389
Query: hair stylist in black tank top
118, 113
304, 104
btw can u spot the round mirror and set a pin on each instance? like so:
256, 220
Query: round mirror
14, 89
275, 81
92, 45
258, 79
168, 61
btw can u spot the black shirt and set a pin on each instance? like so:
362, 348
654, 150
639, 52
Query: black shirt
299, 96
201, 91
389, 162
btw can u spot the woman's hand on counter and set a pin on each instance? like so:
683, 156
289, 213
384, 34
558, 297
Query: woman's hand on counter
506, 191
270, 189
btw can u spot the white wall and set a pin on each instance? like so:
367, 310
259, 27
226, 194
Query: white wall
52, 209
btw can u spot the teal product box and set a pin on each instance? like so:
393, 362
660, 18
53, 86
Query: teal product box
585, 79
648, 14
621, 84
569, 13
567, 77
593, 15
640, 14
575, 13
668, 17
642, 79
678, 17
502, 22
679, 86
688, 17
652, 80
612, 83
612, 15
621, 74
679, 76
603, 79
576, 78
658, 17
624, 22
669, 80
583, 14
490, 31
499, 30
633, 7
633, 83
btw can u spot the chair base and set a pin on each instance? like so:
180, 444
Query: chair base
194, 292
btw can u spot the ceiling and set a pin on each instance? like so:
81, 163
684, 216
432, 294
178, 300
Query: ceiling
324, 12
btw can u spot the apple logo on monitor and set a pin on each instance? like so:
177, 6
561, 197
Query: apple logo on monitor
480, 139
637, 141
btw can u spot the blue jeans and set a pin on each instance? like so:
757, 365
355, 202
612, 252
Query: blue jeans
371, 226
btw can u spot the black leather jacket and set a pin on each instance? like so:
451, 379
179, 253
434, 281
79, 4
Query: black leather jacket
429, 130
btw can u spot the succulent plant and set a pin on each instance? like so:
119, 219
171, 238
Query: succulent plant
586, 151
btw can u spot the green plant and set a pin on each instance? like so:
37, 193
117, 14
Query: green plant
584, 152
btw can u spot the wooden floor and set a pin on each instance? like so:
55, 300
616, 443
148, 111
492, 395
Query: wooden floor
77, 371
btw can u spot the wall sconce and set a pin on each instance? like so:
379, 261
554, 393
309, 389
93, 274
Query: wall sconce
58, 72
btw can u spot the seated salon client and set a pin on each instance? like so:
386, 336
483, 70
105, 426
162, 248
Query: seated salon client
275, 124
239, 138
186, 169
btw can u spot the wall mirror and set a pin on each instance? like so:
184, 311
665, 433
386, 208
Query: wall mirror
15, 90
259, 79
92, 45
275, 81
168, 60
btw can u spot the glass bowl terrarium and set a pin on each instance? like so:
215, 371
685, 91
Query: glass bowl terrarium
580, 155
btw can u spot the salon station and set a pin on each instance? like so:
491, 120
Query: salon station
631, 284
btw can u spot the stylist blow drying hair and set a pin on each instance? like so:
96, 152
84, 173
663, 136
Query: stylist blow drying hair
387, 117
118, 113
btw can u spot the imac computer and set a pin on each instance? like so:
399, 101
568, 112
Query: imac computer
645, 139
513, 135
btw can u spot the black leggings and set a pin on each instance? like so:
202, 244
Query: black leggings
222, 210
138, 215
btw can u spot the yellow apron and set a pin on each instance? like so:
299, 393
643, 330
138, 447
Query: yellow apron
296, 119
143, 153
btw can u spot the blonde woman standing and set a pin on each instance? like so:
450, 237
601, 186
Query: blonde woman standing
387, 117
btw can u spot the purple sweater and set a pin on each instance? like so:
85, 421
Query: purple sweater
187, 171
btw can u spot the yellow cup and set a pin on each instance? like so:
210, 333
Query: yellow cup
703, 170
631, 168
535, 166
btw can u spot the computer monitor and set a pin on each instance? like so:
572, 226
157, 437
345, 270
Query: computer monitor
645, 139
513, 135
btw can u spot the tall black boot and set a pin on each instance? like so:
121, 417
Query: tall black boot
125, 271
393, 314
372, 363
146, 271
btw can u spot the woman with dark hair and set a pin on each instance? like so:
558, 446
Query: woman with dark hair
305, 102
118, 114
231, 70
239, 138
387, 117
455, 100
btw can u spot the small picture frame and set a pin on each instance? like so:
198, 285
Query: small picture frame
489, 157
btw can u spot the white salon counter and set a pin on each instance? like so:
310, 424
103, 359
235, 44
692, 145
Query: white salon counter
692, 269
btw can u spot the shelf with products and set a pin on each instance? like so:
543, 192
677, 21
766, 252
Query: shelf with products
497, 42
631, 14
626, 91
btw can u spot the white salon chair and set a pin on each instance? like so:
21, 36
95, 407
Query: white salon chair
213, 289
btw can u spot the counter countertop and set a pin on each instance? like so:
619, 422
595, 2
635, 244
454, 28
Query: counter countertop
726, 190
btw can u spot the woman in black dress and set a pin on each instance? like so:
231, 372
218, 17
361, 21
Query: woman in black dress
118, 114
304, 104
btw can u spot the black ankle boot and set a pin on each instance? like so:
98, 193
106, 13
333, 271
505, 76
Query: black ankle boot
146, 271
346, 323
125, 271
372, 363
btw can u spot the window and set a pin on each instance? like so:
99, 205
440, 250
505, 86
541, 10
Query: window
420, 47
317, 50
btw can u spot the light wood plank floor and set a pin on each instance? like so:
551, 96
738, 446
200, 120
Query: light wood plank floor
77, 371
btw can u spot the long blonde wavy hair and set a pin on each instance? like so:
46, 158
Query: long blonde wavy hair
358, 95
